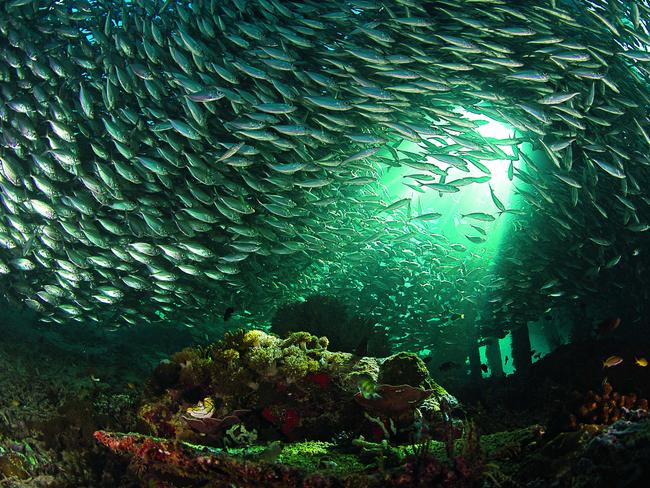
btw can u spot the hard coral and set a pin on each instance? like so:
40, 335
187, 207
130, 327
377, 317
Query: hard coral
229, 357
405, 368
393, 400
302, 339
258, 338
263, 360
296, 364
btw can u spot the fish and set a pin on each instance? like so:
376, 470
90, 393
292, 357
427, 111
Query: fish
120, 207
228, 313
612, 361
367, 387
643, 362
448, 366
608, 325
361, 349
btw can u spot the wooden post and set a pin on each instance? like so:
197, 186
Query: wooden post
474, 358
493, 354
521, 348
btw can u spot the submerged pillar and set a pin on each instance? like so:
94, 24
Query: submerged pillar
521, 348
474, 358
581, 330
551, 334
493, 355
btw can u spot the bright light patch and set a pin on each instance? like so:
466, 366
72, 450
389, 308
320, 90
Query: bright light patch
483, 356
463, 217
505, 345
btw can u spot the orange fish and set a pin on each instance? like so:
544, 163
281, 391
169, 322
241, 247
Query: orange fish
608, 325
612, 361
643, 362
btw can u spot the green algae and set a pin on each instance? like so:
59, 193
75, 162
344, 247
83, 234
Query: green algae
405, 368
319, 456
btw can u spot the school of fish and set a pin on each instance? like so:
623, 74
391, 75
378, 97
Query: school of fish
162, 158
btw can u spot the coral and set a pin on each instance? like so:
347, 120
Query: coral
393, 400
302, 339
363, 370
423, 469
287, 419
13, 466
295, 364
604, 408
229, 357
327, 316
258, 338
263, 360
292, 388
295, 465
616, 456
405, 368
381, 454
318, 456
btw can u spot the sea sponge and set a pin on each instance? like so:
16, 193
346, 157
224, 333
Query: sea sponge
405, 368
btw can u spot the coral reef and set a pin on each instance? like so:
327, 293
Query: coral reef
327, 316
617, 456
55, 393
284, 389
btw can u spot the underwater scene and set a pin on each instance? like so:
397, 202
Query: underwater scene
321, 244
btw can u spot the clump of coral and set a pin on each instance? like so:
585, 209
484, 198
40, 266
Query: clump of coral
286, 389
327, 316
605, 408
